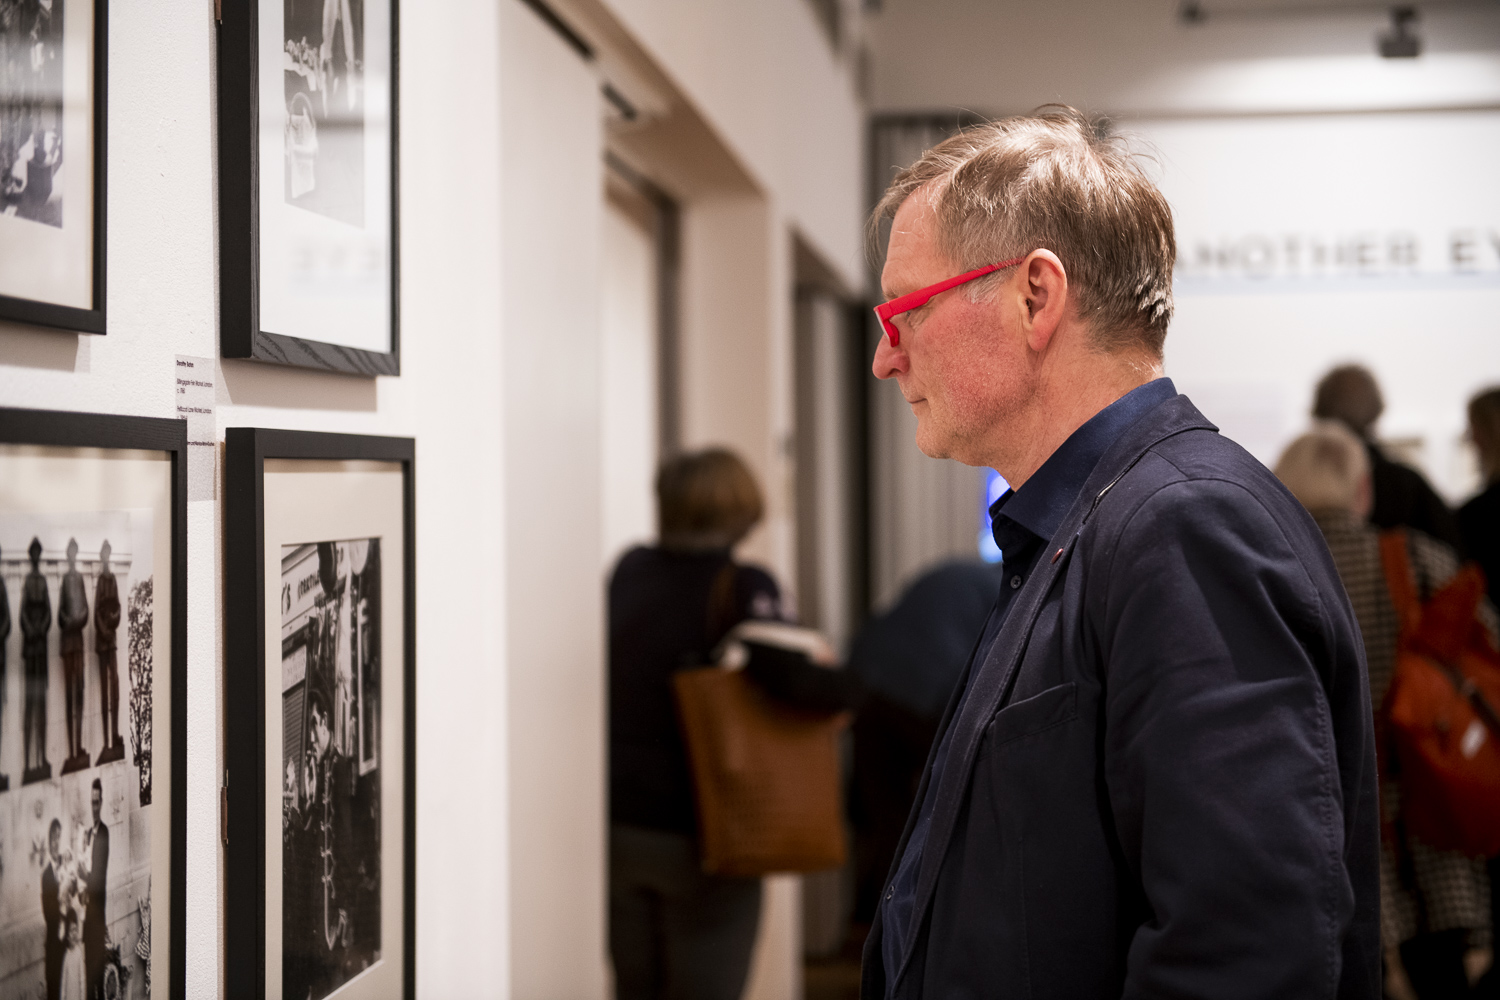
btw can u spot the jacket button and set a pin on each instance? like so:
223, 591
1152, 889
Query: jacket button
1015, 583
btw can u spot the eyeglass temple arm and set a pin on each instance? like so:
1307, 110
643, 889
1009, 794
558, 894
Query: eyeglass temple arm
912, 300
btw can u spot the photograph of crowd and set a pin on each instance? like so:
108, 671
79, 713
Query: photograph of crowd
330, 700
31, 106
75, 732
325, 107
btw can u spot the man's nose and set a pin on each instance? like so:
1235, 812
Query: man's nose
889, 361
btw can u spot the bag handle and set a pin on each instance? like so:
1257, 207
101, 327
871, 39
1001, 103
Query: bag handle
1398, 579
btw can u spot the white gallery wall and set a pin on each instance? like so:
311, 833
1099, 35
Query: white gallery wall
764, 76
552, 184
751, 122
628, 397
1372, 237
162, 302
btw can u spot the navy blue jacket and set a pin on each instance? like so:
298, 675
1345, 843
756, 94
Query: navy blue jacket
1162, 782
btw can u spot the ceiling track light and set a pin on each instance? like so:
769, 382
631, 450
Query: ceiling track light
1400, 42
1197, 12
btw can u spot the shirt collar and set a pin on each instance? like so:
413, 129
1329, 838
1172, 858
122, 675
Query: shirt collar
1041, 504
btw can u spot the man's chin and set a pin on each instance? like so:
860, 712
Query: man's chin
931, 444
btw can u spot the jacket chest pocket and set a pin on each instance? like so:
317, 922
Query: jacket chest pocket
1055, 706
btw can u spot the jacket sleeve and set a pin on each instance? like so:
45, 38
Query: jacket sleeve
1219, 756
792, 678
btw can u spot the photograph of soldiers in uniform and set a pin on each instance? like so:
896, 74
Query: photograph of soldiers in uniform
330, 699
325, 107
31, 105
76, 615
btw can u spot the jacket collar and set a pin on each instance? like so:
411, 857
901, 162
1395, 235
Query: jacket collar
991, 681
1044, 501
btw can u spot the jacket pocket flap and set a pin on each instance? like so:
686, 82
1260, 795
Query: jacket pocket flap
1051, 707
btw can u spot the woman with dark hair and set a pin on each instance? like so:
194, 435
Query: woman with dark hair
675, 931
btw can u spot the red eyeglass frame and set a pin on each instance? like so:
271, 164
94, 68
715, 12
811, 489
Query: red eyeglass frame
887, 311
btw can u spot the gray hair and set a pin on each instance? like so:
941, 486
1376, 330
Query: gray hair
1057, 181
1325, 467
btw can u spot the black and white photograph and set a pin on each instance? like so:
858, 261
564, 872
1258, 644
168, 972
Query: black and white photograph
319, 598
51, 163
307, 153
31, 109
93, 674
330, 704
325, 108
77, 608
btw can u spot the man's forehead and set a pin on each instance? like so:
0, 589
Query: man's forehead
913, 221
910, 251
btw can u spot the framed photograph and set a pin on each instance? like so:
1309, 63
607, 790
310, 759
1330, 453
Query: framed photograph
320, 739
307, 184
53, 81
93, 705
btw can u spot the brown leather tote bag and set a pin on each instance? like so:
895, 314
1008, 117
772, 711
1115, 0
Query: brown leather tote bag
767, 776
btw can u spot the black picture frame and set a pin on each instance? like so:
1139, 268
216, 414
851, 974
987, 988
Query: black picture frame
246, 451
240, 332
36, 312
59, 429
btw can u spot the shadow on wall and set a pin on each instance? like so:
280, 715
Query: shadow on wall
253, 383
30, 347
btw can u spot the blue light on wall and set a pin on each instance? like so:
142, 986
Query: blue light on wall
994, 487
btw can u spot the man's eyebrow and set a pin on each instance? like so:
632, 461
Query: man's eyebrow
892, 291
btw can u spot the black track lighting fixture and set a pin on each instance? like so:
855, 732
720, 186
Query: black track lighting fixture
1401, 42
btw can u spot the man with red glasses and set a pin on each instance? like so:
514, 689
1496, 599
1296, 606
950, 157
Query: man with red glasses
1156, 777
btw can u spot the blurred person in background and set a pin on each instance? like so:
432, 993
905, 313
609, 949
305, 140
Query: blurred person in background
1479, 519
909, 659
1433, 903
1401, 497
674, 931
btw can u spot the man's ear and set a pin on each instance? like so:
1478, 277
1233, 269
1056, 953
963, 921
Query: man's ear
1044, 291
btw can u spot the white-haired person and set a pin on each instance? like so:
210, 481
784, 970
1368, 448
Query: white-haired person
1433, 903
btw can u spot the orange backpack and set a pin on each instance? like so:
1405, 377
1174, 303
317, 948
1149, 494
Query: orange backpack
1441, 709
